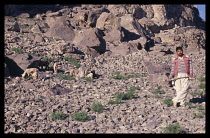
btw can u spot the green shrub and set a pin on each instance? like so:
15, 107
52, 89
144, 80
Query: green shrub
17, 50
87, 79
157, 92
200, 107
202, 86
81, 116
117, 76
133, 89
168, 102
57, 115
72, 61
173, 129
199, 115
33, 54
97, 107
197, 93
124, 96
189, 104
202, 79
64, 77
114, 102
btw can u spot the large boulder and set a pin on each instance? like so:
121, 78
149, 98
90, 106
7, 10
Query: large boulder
90, 37
61, 30
148, 23
129, 30
110, 25
36, 29
107, 22
93, 16
18, 63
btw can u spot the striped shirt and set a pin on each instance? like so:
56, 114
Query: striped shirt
181, 67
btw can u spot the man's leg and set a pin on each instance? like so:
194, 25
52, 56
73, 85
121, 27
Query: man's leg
183, 92
177, 87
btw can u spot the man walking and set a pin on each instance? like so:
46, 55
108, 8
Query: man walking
181, 68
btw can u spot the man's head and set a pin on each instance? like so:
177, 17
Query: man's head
179, 51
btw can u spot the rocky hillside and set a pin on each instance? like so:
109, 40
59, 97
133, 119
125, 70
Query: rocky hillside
129, 47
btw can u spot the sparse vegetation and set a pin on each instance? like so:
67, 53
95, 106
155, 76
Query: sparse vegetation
114, 102
17, 50
33, 54
168, 102
64, 77
188, 104
119, 96
157, 92
48, 59
199, 115
197, 93
202, 79
201, 86
72, 61
87, 79
173, 129
81, 116
97, 107
117, 76
57, 116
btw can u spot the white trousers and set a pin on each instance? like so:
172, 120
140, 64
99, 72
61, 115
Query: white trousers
181, 86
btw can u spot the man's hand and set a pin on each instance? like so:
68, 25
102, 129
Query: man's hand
169, 79
190, 75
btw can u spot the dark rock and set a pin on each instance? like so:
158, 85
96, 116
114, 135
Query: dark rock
59, 90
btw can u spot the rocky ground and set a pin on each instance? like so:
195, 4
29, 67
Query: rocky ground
29, 103
27, 110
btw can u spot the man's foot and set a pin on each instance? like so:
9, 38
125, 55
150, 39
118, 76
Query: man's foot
182, 104
175, 104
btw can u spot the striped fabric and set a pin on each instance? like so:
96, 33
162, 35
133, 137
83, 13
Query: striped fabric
181, 67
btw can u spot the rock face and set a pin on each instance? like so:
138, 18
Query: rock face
118, 50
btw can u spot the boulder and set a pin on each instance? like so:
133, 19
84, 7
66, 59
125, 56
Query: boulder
59, 90
39, 38
18, 63
92, 52
110, 25
93, 16
61, 30
130, 32
114, 37
10, 26
148, 23
108, 22
36, 29
91, 37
